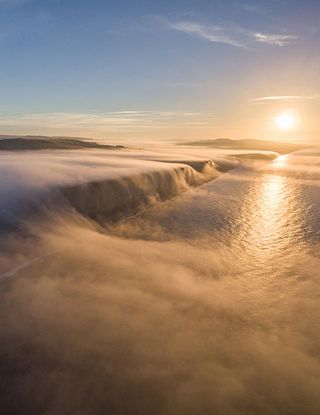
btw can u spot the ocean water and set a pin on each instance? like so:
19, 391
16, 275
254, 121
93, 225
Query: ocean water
263, 212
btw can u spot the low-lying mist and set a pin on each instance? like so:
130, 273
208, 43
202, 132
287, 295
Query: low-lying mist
143, 317
110, 325
97, 183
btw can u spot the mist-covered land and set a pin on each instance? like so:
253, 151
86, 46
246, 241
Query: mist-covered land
31, 143
161, 280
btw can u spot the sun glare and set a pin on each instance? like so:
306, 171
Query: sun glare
286, 121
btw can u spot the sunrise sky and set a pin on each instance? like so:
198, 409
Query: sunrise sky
161, 70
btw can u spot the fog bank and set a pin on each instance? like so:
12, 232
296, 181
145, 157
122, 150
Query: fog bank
108, 325
98, 183
206, 304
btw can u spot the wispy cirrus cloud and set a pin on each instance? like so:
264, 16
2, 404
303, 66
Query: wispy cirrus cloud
107, 121
232, 35
286, 98
123, 125
215, 34
275, 39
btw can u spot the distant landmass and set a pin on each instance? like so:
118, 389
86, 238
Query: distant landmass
248, 144
49, 143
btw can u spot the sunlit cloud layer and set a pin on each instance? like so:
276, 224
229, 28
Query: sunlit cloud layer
286, 98
109, 120
275, 39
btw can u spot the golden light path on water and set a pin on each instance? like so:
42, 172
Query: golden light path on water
271, 220
260, 212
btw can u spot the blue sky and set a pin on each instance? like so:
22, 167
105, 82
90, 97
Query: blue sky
159, 69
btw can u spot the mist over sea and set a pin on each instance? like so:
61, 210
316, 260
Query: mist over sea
205, 301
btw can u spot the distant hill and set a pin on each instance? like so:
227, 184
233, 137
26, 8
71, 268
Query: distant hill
248, 144
49, 143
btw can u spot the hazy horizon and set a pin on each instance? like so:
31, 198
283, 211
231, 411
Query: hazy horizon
152, 144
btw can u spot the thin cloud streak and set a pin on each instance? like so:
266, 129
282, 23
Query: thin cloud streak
275, 39
232, 35
286, 98
214, 34
115, 119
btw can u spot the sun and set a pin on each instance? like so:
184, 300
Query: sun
286, 121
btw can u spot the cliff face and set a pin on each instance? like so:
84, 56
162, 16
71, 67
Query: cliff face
111, 199
101, 185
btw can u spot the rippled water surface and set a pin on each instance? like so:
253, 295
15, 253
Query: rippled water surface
264, 212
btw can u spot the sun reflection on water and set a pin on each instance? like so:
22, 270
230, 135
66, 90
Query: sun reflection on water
270, 221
